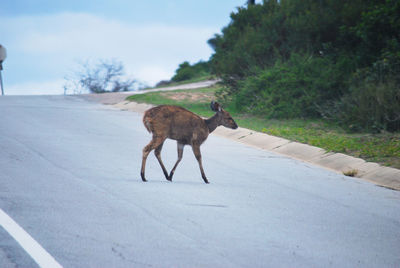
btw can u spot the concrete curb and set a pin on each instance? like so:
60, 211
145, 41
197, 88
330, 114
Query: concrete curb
340, 163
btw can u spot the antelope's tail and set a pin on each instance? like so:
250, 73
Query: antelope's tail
147, 122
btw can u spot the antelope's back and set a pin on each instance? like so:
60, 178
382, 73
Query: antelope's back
170, 120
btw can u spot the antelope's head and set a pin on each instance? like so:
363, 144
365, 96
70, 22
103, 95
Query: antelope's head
224, 118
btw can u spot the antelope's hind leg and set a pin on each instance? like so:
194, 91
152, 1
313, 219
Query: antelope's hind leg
154, 143
197, 154
157, 153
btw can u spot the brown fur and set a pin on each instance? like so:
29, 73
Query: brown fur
185, 127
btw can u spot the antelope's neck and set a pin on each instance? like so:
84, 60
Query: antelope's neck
212, 123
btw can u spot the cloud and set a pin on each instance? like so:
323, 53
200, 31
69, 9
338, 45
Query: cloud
153, 74
48, 47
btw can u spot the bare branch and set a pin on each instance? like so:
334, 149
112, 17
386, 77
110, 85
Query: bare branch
103, 76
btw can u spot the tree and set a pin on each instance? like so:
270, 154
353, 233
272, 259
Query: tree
99, 77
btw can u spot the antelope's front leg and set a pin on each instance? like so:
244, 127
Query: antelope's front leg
197, 154
180, 154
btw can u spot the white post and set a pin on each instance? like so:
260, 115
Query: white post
3, 55
1, 82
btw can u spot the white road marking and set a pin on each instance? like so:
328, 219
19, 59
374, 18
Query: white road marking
36, 251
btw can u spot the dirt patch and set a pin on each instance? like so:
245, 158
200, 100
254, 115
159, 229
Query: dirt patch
189, 96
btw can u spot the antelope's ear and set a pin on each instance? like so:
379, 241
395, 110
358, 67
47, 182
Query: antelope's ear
215, 106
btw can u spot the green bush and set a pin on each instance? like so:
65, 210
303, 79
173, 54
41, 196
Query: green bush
373, 102
262, 34
186, 71
300, 87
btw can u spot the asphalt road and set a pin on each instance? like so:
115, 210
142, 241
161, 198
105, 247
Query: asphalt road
69, 176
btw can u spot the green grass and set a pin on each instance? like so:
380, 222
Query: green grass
382, 148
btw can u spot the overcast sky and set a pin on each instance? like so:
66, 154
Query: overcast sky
45, 39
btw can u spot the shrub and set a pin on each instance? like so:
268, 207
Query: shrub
186, 71
300, 87
373, 102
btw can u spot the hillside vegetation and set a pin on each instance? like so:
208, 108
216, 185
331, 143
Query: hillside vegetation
335, 60
186, 71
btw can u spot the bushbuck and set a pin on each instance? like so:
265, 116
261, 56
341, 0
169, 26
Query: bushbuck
187, 128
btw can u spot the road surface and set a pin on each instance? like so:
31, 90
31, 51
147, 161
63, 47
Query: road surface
70, 179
